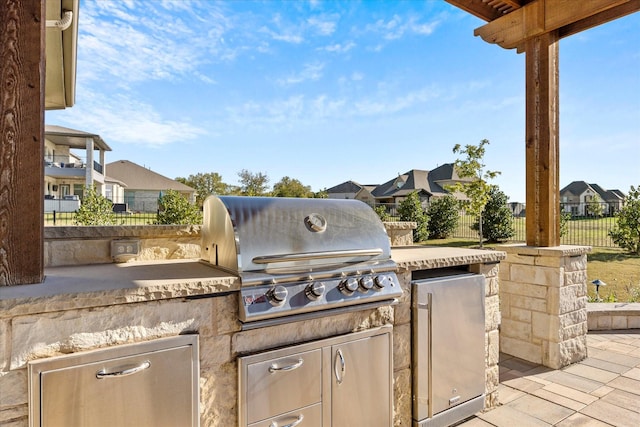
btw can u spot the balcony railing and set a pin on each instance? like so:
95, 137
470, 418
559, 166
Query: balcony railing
67, 162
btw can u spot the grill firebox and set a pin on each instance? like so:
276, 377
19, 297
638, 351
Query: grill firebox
299, 256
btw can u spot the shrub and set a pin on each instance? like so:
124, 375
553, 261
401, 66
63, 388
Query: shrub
411, 209
175, 209
443, 217
497, 217
382, 213
626, 233
95, 209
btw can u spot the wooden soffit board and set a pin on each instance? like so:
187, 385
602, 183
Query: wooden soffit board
512, 22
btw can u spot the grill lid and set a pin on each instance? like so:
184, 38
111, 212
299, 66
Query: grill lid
287, 235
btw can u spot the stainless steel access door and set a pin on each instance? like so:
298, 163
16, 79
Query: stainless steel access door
153, 383
448, 339
360, 392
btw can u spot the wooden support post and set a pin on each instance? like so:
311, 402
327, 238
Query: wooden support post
22, 68
542, 135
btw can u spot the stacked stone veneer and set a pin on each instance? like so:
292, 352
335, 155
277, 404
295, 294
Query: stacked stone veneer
32, 331
613, 316
92, 245
401, 232
543, 301
51, 319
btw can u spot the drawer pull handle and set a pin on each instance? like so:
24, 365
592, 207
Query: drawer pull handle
103, 374
293, 424
275, 368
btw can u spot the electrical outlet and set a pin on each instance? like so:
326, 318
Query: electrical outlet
124, 249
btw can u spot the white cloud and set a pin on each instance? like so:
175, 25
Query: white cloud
124, 120
339, 47
310, 72
397, 27
141, 40
324, 27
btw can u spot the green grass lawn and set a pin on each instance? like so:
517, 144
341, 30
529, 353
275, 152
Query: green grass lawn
619, 270
580, 231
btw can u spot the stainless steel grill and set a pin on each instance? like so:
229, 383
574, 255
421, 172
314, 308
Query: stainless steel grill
299, 256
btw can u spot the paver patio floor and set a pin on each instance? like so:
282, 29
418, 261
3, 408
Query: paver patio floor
602, 390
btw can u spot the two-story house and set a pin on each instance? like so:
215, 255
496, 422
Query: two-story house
576, 196
73, 160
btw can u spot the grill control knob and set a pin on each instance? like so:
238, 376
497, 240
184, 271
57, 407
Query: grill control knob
382, 282
277, 295
348, 286
366, 283
314, 291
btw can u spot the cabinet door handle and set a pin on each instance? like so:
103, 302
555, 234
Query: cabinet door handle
293, 424
123, 372
275, 368
339, 372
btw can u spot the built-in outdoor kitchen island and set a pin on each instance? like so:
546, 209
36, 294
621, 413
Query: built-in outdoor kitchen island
83, 308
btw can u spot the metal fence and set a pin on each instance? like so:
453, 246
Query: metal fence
120, 218
141, 211
588, 230
590, 227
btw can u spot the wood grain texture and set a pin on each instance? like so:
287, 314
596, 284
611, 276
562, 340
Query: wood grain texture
542, 141
544, 16
21, 141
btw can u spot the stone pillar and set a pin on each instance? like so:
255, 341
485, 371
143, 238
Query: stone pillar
400, 232
543, 301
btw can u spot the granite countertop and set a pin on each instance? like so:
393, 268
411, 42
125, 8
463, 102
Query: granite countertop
85, 286
109, 284
430, 257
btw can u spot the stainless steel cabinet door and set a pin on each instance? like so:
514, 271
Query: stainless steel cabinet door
147, 389
361, 383
449, 334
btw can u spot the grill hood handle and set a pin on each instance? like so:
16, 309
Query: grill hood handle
309, 256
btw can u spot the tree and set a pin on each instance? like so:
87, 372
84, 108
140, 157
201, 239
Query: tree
322, 194
205, 185
253, 184
594, 206
477, 188
175, 209
443, 215
626, 233
411, 209
95, 209
497, 217
290, 187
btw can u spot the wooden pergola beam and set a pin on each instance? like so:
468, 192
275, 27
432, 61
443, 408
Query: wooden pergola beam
543, 16
22, 69
477, 8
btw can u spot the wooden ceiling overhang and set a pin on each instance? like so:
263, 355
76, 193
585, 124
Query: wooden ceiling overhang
512, 22
535, 27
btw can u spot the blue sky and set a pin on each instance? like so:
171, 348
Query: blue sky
326, 92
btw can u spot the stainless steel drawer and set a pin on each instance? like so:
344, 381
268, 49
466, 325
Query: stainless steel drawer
154, 383
311, 416
290, 382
